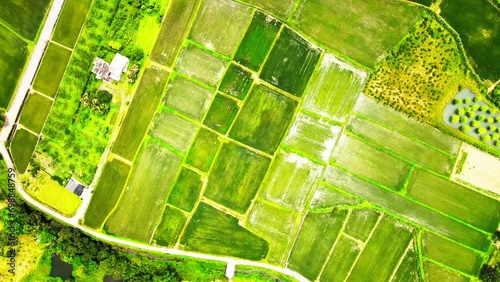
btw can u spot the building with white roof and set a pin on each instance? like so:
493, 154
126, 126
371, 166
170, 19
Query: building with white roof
113, 71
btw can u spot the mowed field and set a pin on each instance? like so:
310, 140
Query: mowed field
24, 17
22, 148
35, 111
70, 21
51, 70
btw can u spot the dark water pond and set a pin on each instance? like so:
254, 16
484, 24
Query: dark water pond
108, 278
60, 268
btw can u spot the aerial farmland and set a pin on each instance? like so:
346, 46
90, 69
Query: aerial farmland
305, 140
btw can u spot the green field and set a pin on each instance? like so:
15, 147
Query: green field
170, 228
221, 114
173, 130
35, 111
25, 17
14, 56
257, 41
236, 82
106, 193
201, 65
329, 197
361, 222
280, 8
479, 30
203, 151
141, 112
188, 98
312, 136
363, 32
312, 246
436, 273
451, 254
333, 88
290, 181
290, 63
173, 30
22, 148
186, 190
274, 112
276, 225
407, 209
409, 149
220, 24
341, 260
70, 21
236, 176
461, 202
367, 161
378, 261
149, 184
408, 270
214, 232
51, 70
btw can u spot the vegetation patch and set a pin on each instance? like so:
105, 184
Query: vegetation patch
280, 8
173, 130
329, 197
106, 193
236, 82
149, 184
187, 190
361, 222
188, 97
341, 260
141, 112
25, 17
290, 63
51, 70
263, 119
35, 111
70, 21
434, 272
220, 24
257, 41
203, 151
22, 148
215, 232
172, 223
408, 269
221, 114
201, 65
229, 182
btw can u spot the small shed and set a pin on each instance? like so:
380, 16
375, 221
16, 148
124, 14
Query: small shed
75, 186
118, 66
230, 269
100, 69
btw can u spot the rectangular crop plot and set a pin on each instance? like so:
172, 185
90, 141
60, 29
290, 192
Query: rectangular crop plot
329, 197
454, 199
236, 177
221, 114
176, 24
201, 65
334, 88
257, 41
173, 130
203, 151
264, 119
214, 232
106, 193
313, 137
341, 260
436, 273
22, 148
51, 70
290, 181
408, 270
236, 82
361, 222
277, 226
141, 112
451, 254
220, 24
316, 238
70, 21
407, 209
280, 8
172, 223
35, 111
363, 32
186, 190
411, 128
147, 189
407, 148
12, 60
25, 17
290, 63
378, 261
188, 98
370, 162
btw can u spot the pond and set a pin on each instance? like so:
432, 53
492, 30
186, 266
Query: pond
109, 278
60, 268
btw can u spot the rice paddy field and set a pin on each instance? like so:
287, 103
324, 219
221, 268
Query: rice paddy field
249, 135
35, 112
71, 21
51, 70
24, 17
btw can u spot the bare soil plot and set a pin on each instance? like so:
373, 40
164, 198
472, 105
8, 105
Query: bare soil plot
201, 65
173, 130
280, 8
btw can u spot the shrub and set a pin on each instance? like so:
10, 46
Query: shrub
492, 128
490, 120
475, 123
457, 101
481, 117
455, 119
471, 114
468, 100
484, 108
497, 119
460, 111
485, 138
463, 119
492, 111
481, 130
497, 143
495, 136
477, 99
475, 107
465, 128
468, 108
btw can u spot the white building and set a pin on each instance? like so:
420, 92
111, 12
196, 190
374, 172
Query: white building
113, 71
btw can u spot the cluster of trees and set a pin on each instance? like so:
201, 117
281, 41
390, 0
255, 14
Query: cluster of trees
99, 101
495, 96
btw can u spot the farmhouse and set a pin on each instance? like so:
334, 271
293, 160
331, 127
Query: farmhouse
113, 71
75, 186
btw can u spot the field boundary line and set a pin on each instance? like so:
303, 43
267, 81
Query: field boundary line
447, 267
401, 260
158, 65
407, 179
20, 126
264, 61
244, 32
61, 45
122, 159
176, 72
43, 95
354, 239
279, 90
17, 34
222, 208
293, 11
190, 42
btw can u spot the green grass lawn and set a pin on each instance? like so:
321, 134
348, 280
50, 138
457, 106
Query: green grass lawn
22, 148
70, 21
51, 70
35, 112
25, 17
